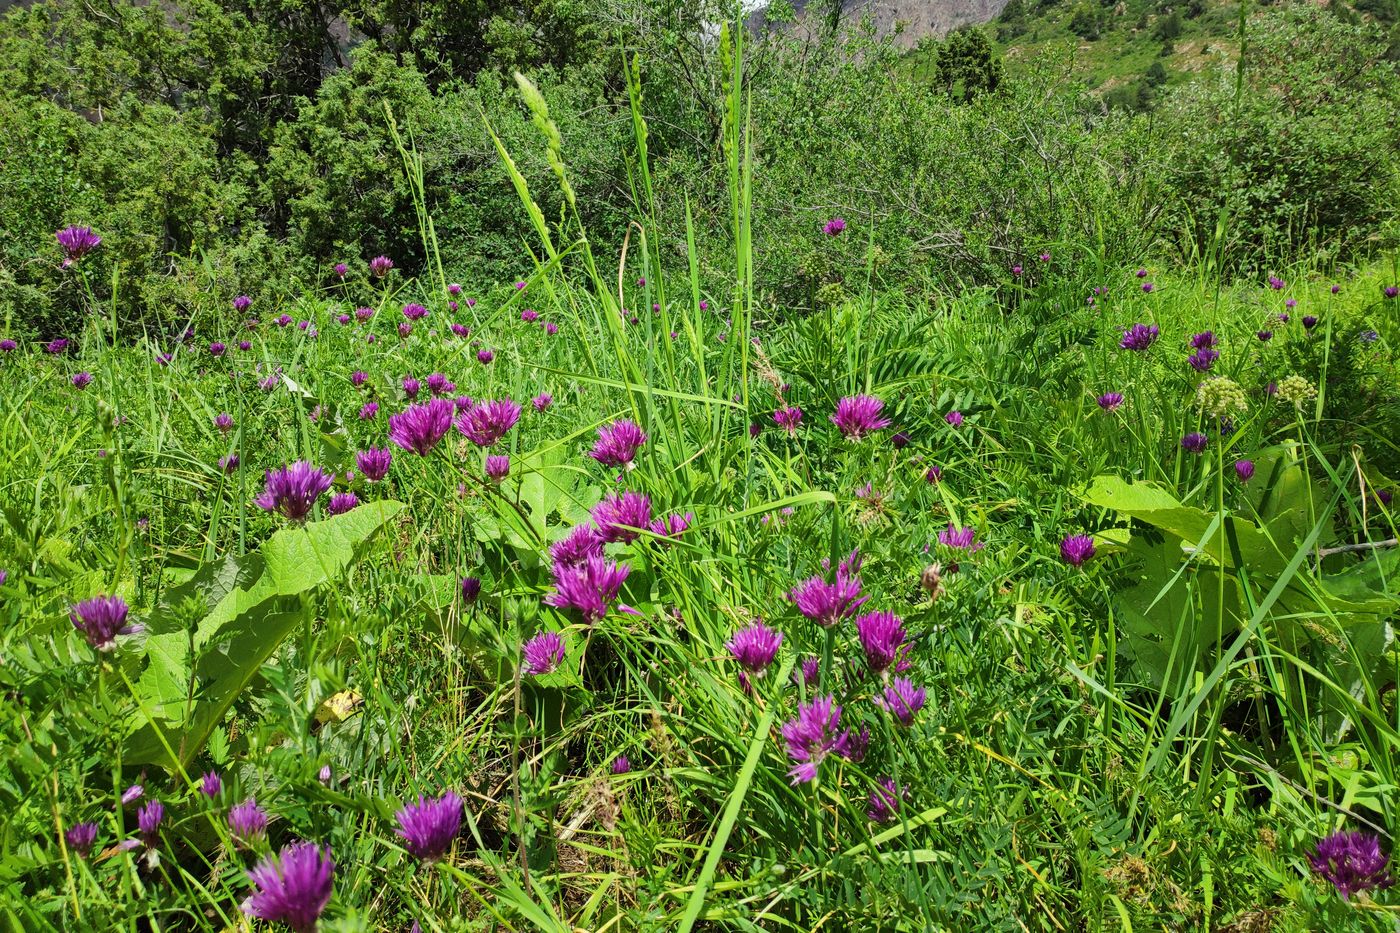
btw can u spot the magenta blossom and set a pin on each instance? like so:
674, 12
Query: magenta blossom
788, 418
374, 463
1076, 549
543, 654
101, 619
485, 423
293, 887
828, 603
813, 734
429, 826
902, 700
582, 542
590, 587
754, 647
76, 243
419, 428
859, 415
619, 518
671, 526
618, 443
961, 539
293, 490
542, 402
1353, 862
882, 637
834, 226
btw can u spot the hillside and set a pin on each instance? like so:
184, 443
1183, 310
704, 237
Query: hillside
910, 21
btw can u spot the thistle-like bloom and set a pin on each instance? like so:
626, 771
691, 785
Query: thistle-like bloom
210, 784
954, 418
1110, 401
933, 475
903, 700
484, 356
551, 328
1391, 291
415, 312
885, 800
828, 603
148, 820
380, 266
342, 502
470, 588
1204, 340
497, 468
788, 418
834, 226
429, 826
1202, 360
438, 384
247, 821
374, 463
1195, 442
418, 428
76, 243
754, 647
411, 387
882, 637
542, 401
485, 423
1139, 337
56, 346
8, 346
1244, 470
808, 671
671, 526
582, 543
1076, 549
132, 794
224, 422
859, 415
621, 765
341, 270
813, 734
1265, 336
293, 887
364, 314
959, 539
529, 316
293, 490
618, 443
543, 653
461, 330
1275, 283
81, 380
1353, 862
101, 619
80, 838
619, 518
368, 411
591, 587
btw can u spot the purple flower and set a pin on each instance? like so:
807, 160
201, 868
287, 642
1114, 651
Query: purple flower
132, 793
1275, 282
954, 418
7, 345
341, 503
671, 526
461, 330
380, 266
364, 314
374, 463
519, 286
247, 821
1076, 549
885, 800
582, 543
902, 699
1195, 442
1044, 257
618, 443
529, 316
293, 490
81, 380
497, 468
754, 647
812, 735
245, 345
429, 826
1265, 336
933, 475
1139, 337
470, 589
1147, 286
1309, 321
542, 401
961, 539
1110, 401
1016, 270
282, 320
101, 619
80, 838
1283, 318
76, 243
418, 428
900, 440
543, 653
834, 226
590, 586
1390, 291
1353, 862
1141, 273
439, 385
828, 603
551, 328
217, 349
224, 422
415, 312
57, 346
1336, 289
882, 637
148, 820
621, 765
619, 517
368, 411
1202, 360
1204, 340
341, 270
859, 415
485, 423
242, 303
807, 671
210, 784
484, 356
788, 418
293, 887
411, 387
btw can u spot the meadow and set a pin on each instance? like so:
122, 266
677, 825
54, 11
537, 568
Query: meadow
614, 595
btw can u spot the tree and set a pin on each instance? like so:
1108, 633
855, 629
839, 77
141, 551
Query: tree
967, 65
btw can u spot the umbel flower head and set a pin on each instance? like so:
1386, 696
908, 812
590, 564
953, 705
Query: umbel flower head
1139, 337
101, 619
1076, 549
754, 647
1353, 862
620, 518
882, 639
590, 586
859, 415
1220, 398
429, 826
485, 423
814, 733
543, 653
1295, 390
293, 490
828, 603
76, 243
418, 428
618, 443
293, 887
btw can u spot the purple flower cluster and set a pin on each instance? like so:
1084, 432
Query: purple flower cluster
618, 443
429, 826
485, 423
814, 734
857, 416
1353, 862
828, 603
293, 887
293, 490
419, 428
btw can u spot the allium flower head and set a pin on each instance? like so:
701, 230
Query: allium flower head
80, 838
671, 526
1202, 360
101, 619
754, 647
224, 422
1391, 291
621, 765
368, 411
1353, 862
812, 735
414, 312
429, 826
374, 463
341, 503
411, 387
933, 474
1148, 287
1204, 340
484, 356
1076, 549
808, 671
1296, 390
81, 380
1139, 337
859, 415
470, 589
954, 418
148, 820
529, 315
380, 266
543, 653
542, 402
497, 468
582, 543
902, 700
882, 638
293, 887
788, 418
618, 443
1309, 321
1195, 442
293, 490
132, 793
834, 226
1110, 401
885, 800
341, 270
1244, 470
590, 586
959, 539
1275, 283
828, 603
1220, 398
485, 423
247, 821
210, 784
551, 328
619, 517
438, 384
242, 303
8, 346
76, 243
1265, 336
418, 428
57, 346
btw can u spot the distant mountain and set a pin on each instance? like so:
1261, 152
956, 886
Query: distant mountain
919, 18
